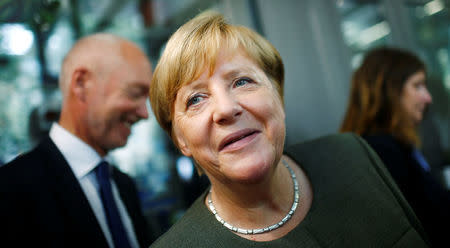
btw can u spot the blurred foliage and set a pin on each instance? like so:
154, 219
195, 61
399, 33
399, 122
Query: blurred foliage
39, 14
46, 16
10, 69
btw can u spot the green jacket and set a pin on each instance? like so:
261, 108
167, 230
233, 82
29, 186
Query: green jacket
355, 204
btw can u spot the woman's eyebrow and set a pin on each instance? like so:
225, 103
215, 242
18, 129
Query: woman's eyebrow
186, 90
232, 74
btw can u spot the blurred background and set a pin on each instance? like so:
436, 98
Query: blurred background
321, 42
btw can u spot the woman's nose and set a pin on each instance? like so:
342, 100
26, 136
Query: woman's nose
226, 108
427, 97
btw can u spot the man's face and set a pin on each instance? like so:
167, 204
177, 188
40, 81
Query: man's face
116, 101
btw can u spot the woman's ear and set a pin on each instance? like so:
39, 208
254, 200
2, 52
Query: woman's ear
184, 148
182, 145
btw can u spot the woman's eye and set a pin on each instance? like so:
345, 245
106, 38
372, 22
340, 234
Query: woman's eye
242, 81
419, 85
194, 100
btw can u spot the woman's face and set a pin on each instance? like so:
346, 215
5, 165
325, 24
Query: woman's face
415, 97
231, 122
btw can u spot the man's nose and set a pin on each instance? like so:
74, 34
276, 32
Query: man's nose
142, 110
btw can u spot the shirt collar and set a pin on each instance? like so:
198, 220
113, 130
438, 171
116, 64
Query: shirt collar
80, 156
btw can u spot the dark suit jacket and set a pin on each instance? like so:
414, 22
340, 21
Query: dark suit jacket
42, 204
426, 196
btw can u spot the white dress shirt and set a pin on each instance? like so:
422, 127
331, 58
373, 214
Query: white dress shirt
82, 160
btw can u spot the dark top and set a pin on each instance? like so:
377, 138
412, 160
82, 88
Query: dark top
43, 205
429, 200
355, 204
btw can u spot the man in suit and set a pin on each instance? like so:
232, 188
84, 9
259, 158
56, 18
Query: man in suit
55, 195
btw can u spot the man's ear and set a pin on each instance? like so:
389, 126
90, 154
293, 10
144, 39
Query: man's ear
79, 83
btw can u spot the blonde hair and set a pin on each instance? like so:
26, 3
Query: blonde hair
374, 105
194, 47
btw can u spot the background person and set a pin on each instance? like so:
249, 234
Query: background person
387, 102
217, 91
60, 194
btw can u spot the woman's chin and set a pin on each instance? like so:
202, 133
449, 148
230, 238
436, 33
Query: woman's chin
251, 173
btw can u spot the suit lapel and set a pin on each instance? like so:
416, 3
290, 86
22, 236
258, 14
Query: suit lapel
71, 196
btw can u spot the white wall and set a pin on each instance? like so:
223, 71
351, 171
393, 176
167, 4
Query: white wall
307, 35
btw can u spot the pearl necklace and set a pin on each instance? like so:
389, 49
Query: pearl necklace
266, 229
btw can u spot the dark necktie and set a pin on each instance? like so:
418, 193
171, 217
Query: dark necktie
115, 224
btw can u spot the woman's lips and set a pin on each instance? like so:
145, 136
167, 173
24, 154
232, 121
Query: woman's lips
238, 139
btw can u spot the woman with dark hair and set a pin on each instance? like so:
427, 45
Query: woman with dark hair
387, 101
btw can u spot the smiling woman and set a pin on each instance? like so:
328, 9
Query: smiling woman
207, 129
218, 91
